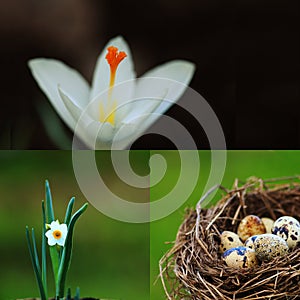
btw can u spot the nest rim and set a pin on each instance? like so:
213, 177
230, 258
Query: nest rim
193, 268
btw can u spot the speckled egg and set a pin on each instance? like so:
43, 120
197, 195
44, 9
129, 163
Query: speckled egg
229, 240
250, 241
268, 246
240, 258
250, 225
289, 229
268, 224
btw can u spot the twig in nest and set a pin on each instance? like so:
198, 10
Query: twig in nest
200, 272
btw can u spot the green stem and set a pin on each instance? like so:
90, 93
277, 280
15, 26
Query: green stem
54, 254
66, 254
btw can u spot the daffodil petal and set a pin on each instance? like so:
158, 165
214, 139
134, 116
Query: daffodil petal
48, 233
54, 225
61, 242
125, 71
51, 241
50, 73
64, 229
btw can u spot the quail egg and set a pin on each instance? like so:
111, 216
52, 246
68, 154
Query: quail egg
250, 241
229, 240
268, 224
250, 225
289, 229
240, 258
268, 246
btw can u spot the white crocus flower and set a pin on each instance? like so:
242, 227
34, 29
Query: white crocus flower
57, 233
117, 106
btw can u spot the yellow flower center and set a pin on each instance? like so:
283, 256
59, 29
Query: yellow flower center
114, 58
57, 234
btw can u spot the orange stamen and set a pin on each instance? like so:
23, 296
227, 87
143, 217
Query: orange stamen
114, 57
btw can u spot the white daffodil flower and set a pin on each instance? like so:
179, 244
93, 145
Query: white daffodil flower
56, 234
117, 106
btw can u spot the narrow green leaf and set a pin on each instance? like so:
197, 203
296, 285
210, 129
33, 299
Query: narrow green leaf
49, 206
77, 295
36, 272
35, 253
44, 251
69, 211
67, 252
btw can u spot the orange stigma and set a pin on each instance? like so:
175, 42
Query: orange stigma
114, 57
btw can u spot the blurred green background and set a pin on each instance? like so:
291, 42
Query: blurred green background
110, 258
240, 164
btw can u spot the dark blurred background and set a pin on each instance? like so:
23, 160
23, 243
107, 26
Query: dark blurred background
246, 52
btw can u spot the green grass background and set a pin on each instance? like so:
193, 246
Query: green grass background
111, 259
240, 164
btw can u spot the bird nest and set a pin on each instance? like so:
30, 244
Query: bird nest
193, 268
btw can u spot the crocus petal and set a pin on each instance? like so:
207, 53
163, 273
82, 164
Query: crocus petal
123, 136
101, 135
94, 134
74, 110
87, 129
116, 101
50, 73
175, 75
101, 76
178, 70
148, 97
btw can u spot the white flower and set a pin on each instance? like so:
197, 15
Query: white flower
57, 233
101, 106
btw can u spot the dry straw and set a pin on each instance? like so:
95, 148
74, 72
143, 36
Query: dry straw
193, 268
